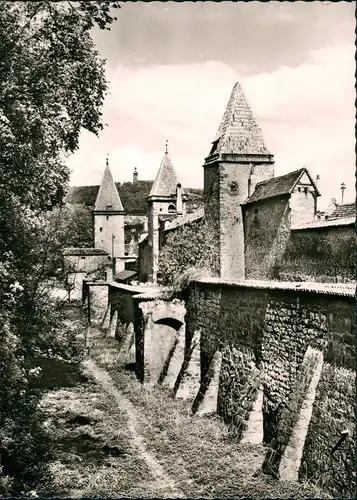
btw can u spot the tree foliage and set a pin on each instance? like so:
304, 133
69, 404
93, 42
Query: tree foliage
188, 251
52, 84
133, 196
66, 226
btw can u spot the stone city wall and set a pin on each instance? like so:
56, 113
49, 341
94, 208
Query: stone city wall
275, 360
326, 254
265, 335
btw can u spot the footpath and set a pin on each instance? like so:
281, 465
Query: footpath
113, 437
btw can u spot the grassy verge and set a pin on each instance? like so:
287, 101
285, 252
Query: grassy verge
91, 446
198, 453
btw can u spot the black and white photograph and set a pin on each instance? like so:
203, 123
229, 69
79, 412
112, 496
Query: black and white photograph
177, 249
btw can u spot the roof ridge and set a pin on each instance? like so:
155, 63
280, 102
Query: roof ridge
279, 176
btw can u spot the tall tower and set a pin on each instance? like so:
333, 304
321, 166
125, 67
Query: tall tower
166, 198
109, 220
135, 176
237, 161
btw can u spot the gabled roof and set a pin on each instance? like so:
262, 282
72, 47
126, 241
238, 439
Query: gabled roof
278, 186
343, 211
108, 197
166, 179
239, 132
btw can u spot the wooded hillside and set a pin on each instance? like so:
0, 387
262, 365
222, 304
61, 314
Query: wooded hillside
133, 196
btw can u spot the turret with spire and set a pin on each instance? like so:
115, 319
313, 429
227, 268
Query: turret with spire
166, 198
135, 176
109, 219
237, 161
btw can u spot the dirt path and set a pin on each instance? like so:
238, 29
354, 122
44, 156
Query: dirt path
102, 377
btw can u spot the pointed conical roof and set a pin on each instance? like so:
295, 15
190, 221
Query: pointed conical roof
108, 197
239, 132
166, 179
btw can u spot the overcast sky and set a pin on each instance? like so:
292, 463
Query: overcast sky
172, 67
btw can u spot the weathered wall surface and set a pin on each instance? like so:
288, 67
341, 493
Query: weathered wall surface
303, 202
84, 263
325, 254
329, 456
158, 324
105, 226
227, 185
144, 260
263, 335
212, 209
274, 251
267, 232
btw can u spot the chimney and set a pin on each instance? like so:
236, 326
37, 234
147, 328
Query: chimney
109, 272
179, 199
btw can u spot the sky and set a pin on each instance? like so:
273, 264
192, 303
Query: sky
172, 67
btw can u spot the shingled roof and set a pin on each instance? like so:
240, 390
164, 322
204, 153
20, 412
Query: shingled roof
108, 197
343, 211
239, 132
278, 186
182, 220
166, 179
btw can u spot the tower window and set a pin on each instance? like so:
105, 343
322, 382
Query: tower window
234, 187
172, 209
305, 190
107, 217
100, 229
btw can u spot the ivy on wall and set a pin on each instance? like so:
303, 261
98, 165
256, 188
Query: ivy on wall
188, 249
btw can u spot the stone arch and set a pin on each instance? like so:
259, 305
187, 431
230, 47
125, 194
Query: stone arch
165, 312
172, 322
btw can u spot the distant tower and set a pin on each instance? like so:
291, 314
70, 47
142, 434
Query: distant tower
238, 160
166, 197
135, 176
109, 220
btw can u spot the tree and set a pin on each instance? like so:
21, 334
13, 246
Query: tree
66, 226
52, 84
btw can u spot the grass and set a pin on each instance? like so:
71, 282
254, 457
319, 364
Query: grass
197, 452
93, 454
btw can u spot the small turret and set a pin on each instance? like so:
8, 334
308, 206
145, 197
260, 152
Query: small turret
109, 219
166, 198
135, 176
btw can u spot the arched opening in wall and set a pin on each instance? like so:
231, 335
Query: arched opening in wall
165, 339
172, 209
172, 322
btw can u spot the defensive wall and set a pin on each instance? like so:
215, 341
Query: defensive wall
275, 360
